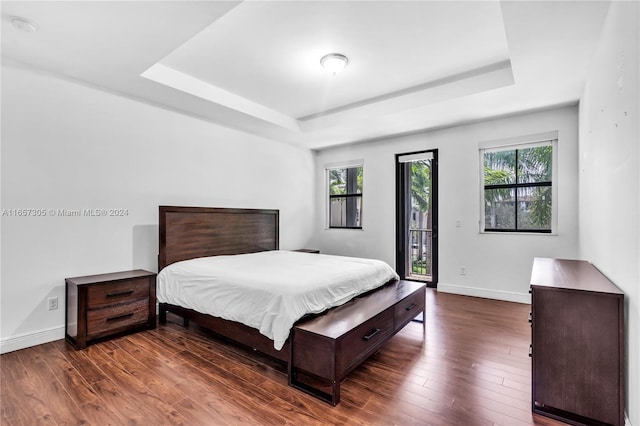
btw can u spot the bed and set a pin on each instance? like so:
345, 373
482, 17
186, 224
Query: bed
203, 238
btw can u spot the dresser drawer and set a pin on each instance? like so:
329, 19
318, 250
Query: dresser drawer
360, 342
408, 309
117, 292
109, 319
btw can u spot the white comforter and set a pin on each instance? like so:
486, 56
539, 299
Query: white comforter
270, 290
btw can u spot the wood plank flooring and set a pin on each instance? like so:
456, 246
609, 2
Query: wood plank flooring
471, 368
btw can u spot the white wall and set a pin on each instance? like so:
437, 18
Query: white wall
609, 177
69, 146
498, 265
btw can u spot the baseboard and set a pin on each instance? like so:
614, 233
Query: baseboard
485, 292
23, 341
27, 340
627, 422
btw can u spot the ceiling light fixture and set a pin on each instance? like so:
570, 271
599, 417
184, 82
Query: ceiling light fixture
23, 25
334, 62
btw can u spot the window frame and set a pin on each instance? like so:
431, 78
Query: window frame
329, 196
515, 144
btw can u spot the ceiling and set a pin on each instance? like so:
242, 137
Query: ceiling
255, 65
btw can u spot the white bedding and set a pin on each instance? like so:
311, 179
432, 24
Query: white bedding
269, 290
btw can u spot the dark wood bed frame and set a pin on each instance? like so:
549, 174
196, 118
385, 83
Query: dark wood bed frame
192, 232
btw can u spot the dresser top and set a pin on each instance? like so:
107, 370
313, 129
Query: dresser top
114, 276
570, 274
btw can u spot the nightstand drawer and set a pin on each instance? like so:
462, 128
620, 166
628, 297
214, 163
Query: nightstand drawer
117, 292
110, 319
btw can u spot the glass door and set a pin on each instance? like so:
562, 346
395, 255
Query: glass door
417, 220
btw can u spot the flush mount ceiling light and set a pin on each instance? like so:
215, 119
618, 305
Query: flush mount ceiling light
334, 62
23, 24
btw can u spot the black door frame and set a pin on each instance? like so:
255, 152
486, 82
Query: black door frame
401, 215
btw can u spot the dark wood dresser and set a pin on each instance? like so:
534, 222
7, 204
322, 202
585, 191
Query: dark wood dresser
99, 306
577, 320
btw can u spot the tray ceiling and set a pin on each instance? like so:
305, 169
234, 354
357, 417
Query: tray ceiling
255, 65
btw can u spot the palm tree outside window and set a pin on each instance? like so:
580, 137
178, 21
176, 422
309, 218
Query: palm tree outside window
518, 188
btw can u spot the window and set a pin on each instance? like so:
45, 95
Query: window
518, 189
345, 197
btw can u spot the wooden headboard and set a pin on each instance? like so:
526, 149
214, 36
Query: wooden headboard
190, 232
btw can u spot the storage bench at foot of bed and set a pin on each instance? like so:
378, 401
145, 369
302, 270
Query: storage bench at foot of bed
326, 348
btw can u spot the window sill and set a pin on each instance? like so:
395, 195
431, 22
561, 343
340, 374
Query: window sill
543, 234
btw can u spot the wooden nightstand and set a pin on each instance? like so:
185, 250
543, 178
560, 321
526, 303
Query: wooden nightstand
314, 251
100, 306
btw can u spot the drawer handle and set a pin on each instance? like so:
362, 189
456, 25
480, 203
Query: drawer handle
370, 335
120, 317
530, 351
530, 317
410, 307
120, 293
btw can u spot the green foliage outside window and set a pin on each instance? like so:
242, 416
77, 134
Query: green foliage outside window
345, 197
517, 189
338, 180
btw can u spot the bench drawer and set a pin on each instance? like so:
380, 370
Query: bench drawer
362, 341
408, 309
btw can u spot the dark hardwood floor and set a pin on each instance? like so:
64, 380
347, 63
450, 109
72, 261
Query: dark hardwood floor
472, 368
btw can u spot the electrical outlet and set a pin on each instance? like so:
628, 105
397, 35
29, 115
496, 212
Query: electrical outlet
463, 270
53, 303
